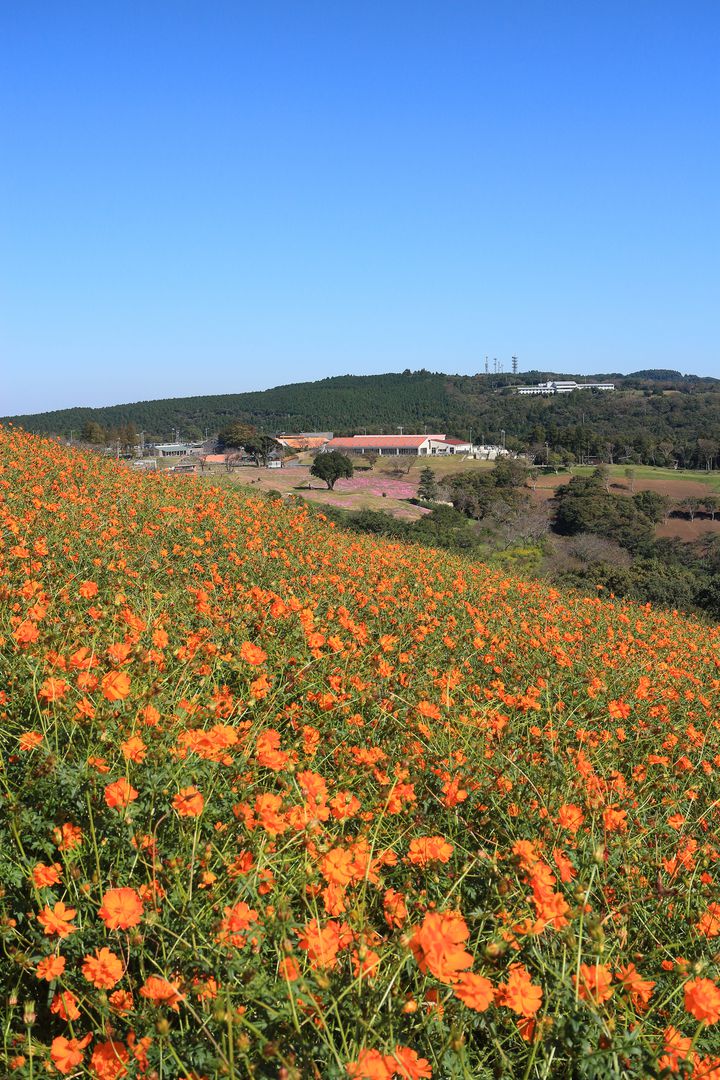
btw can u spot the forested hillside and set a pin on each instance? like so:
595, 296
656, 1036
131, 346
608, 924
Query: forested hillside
654, 416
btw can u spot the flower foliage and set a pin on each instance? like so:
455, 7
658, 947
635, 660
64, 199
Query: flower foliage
280, 803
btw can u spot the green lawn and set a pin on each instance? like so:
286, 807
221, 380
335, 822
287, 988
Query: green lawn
651, 472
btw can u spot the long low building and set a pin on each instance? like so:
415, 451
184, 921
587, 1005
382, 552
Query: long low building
563, 386
419, 445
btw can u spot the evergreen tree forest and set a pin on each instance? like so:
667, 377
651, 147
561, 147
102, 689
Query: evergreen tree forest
654, 417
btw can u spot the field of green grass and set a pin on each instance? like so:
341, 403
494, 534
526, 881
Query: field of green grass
652, 472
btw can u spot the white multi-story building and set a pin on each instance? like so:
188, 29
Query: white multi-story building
563, 386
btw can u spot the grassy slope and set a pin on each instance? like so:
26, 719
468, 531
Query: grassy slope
561, 752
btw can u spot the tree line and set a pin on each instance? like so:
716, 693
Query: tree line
654, 417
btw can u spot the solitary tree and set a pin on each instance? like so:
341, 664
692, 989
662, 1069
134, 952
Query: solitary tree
711, 504
691, 506
331, 467
92, 432
260, 447
236, 435
427, 488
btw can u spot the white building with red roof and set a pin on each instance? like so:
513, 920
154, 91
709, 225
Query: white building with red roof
420, 445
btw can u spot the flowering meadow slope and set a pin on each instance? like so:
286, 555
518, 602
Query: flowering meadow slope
277, 802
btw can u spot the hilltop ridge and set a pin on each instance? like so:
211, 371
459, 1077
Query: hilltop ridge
649, 408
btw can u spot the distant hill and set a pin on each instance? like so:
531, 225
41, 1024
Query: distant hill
649, 408
657, 375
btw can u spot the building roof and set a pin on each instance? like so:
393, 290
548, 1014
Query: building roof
452, 440
303, 442
403, 442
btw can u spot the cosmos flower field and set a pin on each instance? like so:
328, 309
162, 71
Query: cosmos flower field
281, 802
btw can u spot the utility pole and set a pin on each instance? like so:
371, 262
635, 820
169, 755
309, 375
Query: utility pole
486, 366
400, 428
515, 364
502, 435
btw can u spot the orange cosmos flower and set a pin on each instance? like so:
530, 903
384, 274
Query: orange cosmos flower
119, 794
236, 921
134, 749
150, 716
121, 1001
66, 1054
121, 909
570, 817
428, 710
104, 969
87, 590
269, 753
268, 809
677, 1047
26, 633
394, 908
408, 1065
593, 983
116, 685
437, 945
709, 923
109, 1060
639, 989
337, 866
56, 920
68, 837
206, 989
427, 849
702, 1000
64, 1005
53, 689
44, 876
288, 969
85, 710
475, 991
519, 993
260, 687
371, 1065
188, 802
322, 943
29, 740
615, 820
252, 654
162, 992
365, 963
50, 968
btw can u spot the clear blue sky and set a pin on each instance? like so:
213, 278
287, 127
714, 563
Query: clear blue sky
215, 197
